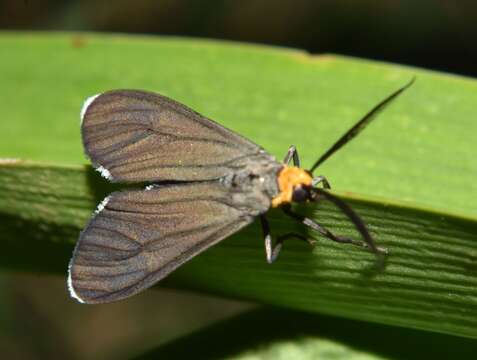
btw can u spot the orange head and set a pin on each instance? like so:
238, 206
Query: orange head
293, 183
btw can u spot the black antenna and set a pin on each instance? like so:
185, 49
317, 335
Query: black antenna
360, 125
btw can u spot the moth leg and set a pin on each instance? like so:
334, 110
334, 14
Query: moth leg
272, 251
320, 180
282, 238
327, 233
267, 237
292, 153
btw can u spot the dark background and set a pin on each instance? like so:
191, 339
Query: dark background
435, 34
37, 319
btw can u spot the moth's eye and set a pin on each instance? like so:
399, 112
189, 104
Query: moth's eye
300, 194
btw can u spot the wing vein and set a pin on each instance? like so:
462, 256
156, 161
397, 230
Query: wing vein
192, 250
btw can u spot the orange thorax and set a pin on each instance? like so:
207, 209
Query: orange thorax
288, 178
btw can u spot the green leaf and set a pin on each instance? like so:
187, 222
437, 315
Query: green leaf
279, 334
414, 168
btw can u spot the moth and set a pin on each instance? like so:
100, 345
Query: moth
205, 183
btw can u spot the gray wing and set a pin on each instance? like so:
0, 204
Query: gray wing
135, 136
139, 237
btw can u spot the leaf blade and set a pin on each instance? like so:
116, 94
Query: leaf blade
428, 283
419, 152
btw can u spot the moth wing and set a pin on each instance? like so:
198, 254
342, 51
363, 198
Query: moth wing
135, 136
139, 237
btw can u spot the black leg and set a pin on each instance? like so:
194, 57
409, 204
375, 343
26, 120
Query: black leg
321, 180
273, 251
292, 153
268, 238
325, 232
281, 239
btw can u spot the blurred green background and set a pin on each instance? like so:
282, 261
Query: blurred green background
433, 34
